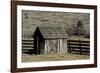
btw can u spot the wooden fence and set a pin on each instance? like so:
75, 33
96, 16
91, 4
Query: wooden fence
74, 46
27, 44
79, 47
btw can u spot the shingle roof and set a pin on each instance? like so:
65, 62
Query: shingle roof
53, 32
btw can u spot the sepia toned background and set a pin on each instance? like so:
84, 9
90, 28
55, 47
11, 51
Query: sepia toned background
75, 25
32, 19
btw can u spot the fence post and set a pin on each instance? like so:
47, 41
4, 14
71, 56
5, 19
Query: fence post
80, 47
69, 50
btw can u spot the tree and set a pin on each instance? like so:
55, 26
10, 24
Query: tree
77, 30
79, 23
80, 28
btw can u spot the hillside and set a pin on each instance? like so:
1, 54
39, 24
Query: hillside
32, 19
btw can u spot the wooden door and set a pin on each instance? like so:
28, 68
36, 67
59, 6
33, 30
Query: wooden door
37, 45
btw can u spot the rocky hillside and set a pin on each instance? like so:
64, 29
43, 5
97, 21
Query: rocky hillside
32, 19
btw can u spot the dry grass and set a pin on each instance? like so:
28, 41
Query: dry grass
55, 57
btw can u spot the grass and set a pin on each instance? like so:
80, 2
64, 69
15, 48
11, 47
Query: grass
54, 57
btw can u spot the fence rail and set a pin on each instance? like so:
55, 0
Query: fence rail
79, 47
27, 44
74, 46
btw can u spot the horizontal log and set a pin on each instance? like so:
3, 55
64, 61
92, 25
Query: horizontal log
79, 44
78, 47
25, 48
79, 50
78, 41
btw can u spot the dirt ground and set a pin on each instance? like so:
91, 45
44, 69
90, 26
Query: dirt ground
54, 57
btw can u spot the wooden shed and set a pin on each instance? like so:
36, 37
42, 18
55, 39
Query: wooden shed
50, 40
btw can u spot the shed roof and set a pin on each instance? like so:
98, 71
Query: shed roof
53, 32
